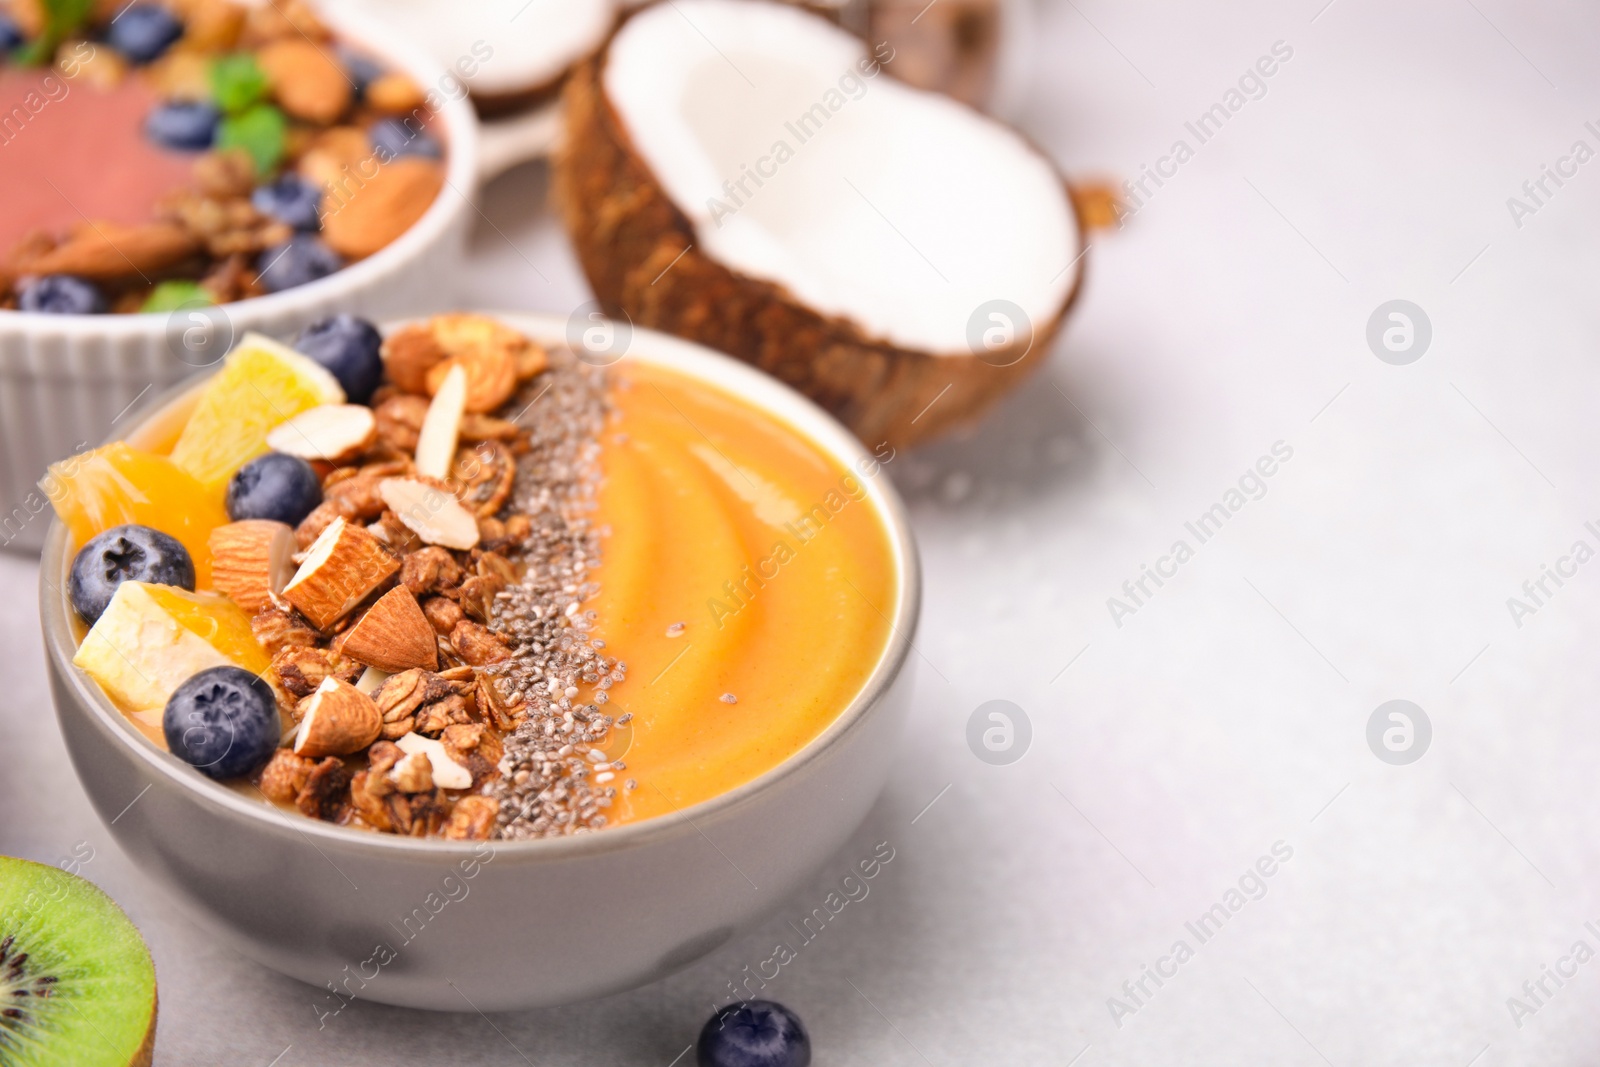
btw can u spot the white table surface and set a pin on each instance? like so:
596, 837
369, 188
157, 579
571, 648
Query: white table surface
1229, 712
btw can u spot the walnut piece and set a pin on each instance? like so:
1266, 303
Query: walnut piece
430, 570
301, 670
477, 644
323, 795
472, 819
285, 776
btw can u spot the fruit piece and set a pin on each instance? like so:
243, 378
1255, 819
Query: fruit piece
223, 722
117, 484
76, 979
121, 554
332, 433
341, 567
185, 125
441, 426
393, 635
261, 384
141, 32
853, 313
447, 773
62, 294
250, 561
392, 138
753, 1033
291, 200
433, 514
152, 637
11, 35
336, 720
362, 69
350, 348
274, 486
300, 260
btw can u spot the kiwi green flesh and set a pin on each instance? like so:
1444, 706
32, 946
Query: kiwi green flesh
77, 984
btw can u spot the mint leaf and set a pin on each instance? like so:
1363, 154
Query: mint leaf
62, 19
170, 296
261, 131
237, 82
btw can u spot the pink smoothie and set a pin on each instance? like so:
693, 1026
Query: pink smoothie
69, 150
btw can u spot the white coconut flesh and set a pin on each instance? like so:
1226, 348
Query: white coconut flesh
515, 45
799, 162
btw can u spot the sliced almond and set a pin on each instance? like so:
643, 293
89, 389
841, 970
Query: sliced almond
331, 432
336, 720
250, 561
342, 566
447, 773
394, 635
441, 426
371, 680
436, 515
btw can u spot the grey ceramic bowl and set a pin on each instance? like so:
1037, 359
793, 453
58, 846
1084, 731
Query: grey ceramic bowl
492, 925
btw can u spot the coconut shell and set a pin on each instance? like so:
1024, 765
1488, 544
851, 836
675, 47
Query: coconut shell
627, 233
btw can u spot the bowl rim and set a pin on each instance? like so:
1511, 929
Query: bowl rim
746, 383
452, 201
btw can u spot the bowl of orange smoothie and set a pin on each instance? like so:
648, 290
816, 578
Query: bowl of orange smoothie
490, 672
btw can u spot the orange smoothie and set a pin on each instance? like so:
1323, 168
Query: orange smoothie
772, 559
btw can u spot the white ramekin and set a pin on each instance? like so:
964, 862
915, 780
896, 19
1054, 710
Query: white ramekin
496, 926
66, 380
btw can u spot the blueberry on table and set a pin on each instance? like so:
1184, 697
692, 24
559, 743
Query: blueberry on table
298, 261
274, 486
223, 722
125, 554
754, 1033
143, 31
62, 294
183, 125
391, 137
291, 200
349, 348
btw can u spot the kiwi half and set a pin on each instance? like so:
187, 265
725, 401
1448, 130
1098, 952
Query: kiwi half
77, 984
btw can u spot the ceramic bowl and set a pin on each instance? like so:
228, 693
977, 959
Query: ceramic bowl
66, 381
459, 926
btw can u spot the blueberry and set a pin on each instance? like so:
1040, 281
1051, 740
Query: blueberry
11, 35
143, 31
391, 137
754, 1033
183, 125
274, 486
299, 260
291, 200
62, 294
223, 722
125, 554
362, 69
348, 347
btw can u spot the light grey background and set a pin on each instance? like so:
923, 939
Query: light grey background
1229, 712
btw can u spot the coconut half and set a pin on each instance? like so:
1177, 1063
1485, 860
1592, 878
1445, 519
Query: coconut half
745, 174
510, 54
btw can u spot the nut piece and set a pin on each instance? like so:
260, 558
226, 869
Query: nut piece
336, 720
342, 566
429, 570
408, 355
108, 250
284, 776
322, 797
447, 773
441, 427
331, 432
394, 93
477, 644
384, 208
300, 670
443, 613
433, 514
393, 635
276, 630
491, 376
307, 83
250, 561
413, 774
472, 819
400, 420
